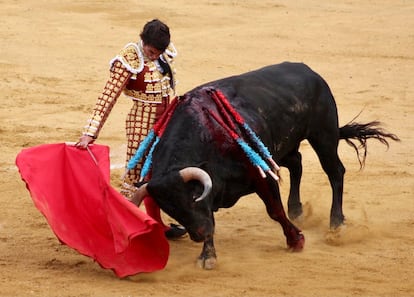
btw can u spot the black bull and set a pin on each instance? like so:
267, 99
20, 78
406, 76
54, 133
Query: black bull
284, 104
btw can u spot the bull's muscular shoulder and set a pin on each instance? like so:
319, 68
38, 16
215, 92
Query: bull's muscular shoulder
131, 57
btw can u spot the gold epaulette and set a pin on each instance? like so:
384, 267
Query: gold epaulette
131, 57
171, 51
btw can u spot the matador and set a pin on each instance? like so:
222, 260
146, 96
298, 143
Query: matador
145, 73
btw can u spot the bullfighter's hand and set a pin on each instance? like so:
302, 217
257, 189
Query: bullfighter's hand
84, 141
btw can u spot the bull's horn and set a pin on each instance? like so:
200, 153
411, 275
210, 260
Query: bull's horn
195, 173
139, 195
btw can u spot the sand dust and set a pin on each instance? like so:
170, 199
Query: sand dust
54, 62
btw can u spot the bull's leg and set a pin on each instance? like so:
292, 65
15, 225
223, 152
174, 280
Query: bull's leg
293, 161
207, 259
269, 192
326, 149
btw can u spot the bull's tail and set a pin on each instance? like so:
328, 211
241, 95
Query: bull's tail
363, 132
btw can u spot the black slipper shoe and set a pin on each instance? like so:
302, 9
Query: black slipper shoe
175, 232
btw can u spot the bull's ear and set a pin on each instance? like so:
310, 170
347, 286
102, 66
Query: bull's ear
164, 187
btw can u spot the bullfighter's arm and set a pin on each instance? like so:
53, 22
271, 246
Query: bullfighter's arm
119, 77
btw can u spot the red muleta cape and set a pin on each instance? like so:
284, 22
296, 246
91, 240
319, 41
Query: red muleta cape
86, 213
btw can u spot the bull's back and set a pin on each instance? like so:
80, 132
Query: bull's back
280, 87
281, 101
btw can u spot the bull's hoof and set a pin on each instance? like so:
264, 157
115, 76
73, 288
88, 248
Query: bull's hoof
207, 263
337, 222
295, 213
298, 244
334, 236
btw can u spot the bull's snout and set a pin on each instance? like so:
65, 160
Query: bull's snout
200, 233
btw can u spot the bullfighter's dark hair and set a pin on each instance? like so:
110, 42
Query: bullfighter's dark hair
157, 34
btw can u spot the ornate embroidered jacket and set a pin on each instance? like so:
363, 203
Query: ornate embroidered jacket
141, 79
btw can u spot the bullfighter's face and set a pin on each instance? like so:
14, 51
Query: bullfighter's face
151, 52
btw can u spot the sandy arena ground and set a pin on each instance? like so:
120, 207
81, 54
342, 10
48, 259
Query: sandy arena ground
54, 62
